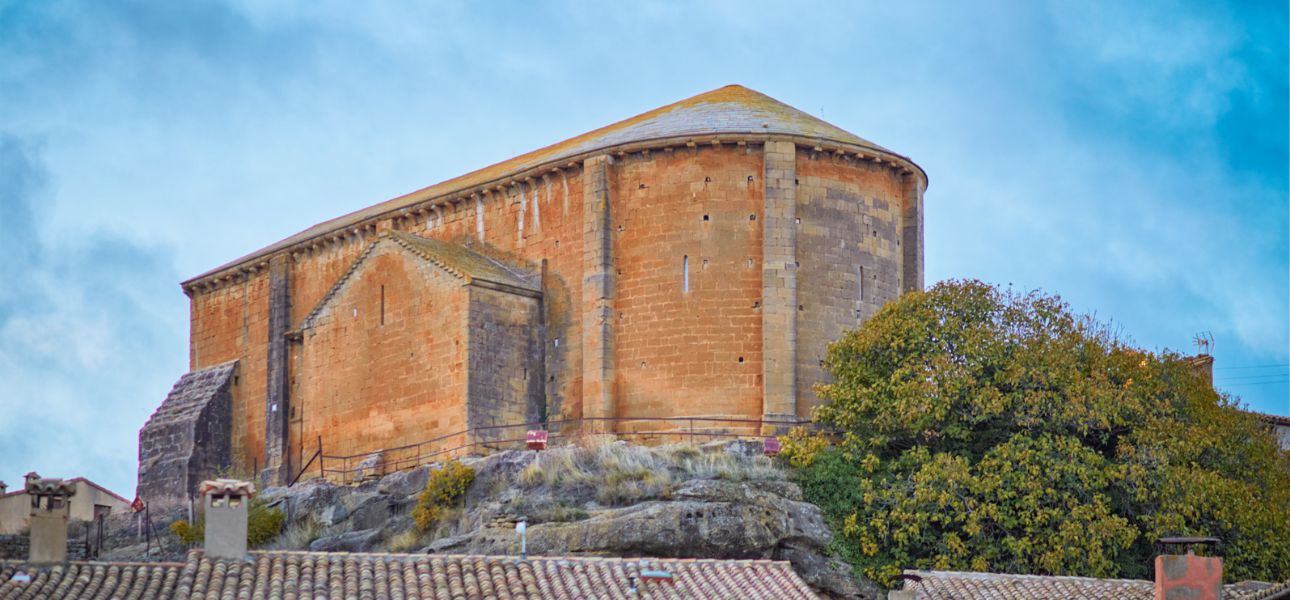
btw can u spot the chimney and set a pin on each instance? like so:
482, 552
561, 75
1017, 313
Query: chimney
1203, 366
1203, 363
3, 486
50, 507
1187, 575
226, 502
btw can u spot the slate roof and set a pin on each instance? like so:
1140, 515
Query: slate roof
958, 585
731, 110
301, 575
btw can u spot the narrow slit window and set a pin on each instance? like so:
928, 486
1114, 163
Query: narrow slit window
685, 274
860, 291
382, 305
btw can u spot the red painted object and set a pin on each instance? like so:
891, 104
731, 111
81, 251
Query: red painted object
1189, 576
536, 439
770, 447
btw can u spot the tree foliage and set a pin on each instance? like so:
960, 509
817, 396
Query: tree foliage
981, 429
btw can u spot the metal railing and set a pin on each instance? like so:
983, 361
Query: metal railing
353, 468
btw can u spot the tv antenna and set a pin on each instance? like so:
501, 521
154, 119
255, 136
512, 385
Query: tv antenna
1204, 343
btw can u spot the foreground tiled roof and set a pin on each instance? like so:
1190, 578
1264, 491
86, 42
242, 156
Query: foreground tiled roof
957, 585
140, 581
301, 575
732, 110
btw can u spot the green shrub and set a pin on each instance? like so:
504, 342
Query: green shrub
190, 534
263, 523
446, 485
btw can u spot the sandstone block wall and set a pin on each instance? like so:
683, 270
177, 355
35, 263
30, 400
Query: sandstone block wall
687, 236
187, 440
677, 279
779, 280
383, 363
231, 323
848, 256
506, 372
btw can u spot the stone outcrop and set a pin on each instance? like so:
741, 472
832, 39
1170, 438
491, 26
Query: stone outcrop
691, 518
187, 440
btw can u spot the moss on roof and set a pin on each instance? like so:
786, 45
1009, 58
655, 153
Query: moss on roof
463, 262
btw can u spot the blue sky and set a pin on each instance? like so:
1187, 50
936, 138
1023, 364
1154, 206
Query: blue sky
1131, 157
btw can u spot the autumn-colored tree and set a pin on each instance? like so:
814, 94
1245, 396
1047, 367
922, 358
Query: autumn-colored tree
981, 429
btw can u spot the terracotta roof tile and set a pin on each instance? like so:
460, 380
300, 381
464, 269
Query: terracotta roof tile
958, 585
226, 486
301, 575
731, 110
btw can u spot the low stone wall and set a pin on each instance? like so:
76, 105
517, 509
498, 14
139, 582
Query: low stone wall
17, 546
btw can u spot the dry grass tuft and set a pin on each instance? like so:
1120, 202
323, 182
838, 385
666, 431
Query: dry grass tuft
403, 542
618, 473
297, 536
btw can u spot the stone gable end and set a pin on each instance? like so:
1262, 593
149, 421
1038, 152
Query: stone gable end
187, 439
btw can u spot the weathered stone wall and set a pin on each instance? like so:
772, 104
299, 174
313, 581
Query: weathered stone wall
596, 310
383, 363
779, 280
848, 255
277, 406
687, 243
231, 323
505, 361
187, 440
686, 279
17, 546
539, 225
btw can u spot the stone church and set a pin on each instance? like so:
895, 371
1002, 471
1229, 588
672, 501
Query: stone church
694, 260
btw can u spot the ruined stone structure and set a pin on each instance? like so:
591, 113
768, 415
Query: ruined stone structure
187, 439
694, 260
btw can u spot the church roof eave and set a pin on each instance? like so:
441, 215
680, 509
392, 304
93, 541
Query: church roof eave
734, 113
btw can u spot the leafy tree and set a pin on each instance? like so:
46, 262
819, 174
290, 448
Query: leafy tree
982, 429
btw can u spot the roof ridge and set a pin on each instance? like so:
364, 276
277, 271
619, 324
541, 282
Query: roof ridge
733, 111
113, 563
991, 575
307, 322
401, 238
649, 559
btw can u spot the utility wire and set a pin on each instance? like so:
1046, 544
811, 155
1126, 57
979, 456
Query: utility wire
1245, 377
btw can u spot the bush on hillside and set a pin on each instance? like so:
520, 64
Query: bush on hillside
263, 523
445, 486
